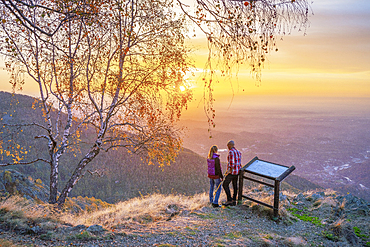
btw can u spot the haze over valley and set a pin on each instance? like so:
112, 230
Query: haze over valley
326, 139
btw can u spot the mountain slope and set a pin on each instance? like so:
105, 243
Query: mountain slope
124, 175
308, 219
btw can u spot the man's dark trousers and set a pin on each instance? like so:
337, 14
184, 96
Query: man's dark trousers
234, 179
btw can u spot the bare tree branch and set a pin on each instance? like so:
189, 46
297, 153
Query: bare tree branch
25, 162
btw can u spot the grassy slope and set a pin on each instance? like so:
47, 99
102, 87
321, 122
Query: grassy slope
175, 220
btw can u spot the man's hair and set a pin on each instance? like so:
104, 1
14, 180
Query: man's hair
231, 143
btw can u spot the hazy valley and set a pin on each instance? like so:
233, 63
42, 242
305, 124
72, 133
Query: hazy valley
169, 206
327, 140
328, 144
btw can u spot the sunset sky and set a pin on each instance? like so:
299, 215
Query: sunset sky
333, 59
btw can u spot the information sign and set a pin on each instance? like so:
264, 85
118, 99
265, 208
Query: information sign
264, 169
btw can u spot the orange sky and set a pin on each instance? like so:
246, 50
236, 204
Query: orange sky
333, 59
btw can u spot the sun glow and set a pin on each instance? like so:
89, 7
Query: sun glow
182, 88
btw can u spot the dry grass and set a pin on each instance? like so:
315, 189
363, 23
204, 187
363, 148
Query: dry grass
6, 243
337, 226
143, 210
330, 192
264, 197
289, 194
329, 201
295, 241
23, 208
327, 192
20, 214
342, 205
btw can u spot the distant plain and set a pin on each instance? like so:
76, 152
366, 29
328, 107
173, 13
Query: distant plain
326, 139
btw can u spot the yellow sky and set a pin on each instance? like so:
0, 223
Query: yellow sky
333, 59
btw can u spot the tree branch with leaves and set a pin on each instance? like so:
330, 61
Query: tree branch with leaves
109, 72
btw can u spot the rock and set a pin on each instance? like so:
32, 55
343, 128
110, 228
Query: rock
341, 228
267, 188
78, 228
363, 210
316, 196
300, 197
295, 241
172, 209
321, 193
204, 210
96, 229
350, 235
36, 230
2, 188
282, 197
353, 205
15, 182
352, 201
350, 198
184, 213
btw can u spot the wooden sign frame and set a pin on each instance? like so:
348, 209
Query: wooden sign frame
264, 169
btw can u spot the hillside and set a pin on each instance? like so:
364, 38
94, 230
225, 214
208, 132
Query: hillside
312, 218
123, 175
307, 219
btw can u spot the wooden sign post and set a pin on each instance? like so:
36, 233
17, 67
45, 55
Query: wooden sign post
264, 169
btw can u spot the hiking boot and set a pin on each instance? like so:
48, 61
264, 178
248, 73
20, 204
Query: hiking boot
228, 203
215, 205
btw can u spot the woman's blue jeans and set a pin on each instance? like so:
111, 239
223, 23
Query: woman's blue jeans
214, 184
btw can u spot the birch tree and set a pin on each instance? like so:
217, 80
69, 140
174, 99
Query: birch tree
118, 67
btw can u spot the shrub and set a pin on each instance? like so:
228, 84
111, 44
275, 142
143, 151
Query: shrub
359, 234
330, 236
7, 177
304, 216
84, 236
47, 236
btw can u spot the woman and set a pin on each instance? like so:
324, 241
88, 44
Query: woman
215, 175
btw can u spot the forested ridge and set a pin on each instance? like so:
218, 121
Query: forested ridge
115, 175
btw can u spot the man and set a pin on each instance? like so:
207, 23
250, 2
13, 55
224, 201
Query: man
233, 167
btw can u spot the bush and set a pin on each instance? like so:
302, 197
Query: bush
330, 236
84, 236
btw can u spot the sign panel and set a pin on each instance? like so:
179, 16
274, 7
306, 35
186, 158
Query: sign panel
266, 168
